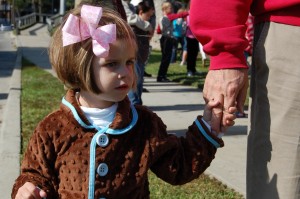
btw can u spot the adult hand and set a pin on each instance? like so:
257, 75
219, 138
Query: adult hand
230, 83
30, 191
208, 111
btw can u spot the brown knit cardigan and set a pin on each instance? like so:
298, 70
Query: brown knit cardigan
57, 157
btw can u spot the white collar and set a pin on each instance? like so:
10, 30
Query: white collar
100, 117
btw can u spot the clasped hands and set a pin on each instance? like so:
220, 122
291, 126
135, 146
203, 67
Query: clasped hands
224, 93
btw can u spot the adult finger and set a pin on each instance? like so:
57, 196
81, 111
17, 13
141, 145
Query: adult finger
241, 98
229, 101
217, 114
208, 110
212, 86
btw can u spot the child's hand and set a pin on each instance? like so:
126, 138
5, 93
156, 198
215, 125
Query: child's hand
30, 191
213, 111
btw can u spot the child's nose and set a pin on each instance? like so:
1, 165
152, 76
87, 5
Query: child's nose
124, 71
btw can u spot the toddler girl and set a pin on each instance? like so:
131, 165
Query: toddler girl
98, 145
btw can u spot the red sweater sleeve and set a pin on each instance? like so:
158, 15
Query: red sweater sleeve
220, 27
174, 16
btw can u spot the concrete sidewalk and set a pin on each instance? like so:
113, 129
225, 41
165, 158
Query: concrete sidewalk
10, 90
177, 105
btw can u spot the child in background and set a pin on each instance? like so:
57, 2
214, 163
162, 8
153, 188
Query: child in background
179, 29
98, 145
167, 39
144, 11
192, 51
134, 19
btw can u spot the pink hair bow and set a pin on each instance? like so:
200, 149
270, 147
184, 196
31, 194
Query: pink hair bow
76, 30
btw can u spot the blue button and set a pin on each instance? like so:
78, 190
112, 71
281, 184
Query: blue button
102, 169
102, 140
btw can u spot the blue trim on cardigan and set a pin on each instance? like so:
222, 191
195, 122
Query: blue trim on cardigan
210, 139
109, 130
93, 144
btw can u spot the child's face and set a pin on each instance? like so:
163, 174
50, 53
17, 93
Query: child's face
146, 15
114, 74
169, 9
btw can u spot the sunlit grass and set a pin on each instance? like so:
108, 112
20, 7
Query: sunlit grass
41, 94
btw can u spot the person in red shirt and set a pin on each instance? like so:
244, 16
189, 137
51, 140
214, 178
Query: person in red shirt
273, 156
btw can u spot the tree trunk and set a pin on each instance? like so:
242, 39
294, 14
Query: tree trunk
40, 9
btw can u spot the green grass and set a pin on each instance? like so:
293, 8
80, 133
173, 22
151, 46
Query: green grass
42, 93
202, 188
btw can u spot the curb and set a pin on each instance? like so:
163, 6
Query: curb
10, 137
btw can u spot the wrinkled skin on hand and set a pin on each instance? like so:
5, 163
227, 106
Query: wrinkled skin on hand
230, 83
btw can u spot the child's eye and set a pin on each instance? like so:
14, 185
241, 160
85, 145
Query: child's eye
111, 64
130, 63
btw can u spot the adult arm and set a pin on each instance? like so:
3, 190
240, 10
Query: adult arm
220, 27
174, 16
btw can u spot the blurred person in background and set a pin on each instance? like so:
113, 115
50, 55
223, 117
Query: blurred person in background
179, 31
144, 11
167, 39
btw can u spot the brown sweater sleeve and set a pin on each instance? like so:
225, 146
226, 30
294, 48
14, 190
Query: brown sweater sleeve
37, 165
178, 160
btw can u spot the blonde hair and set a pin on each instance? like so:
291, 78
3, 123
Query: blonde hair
165, 5
73, 63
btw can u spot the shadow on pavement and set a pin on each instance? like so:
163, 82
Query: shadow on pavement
179, 107
7, 60
38, 56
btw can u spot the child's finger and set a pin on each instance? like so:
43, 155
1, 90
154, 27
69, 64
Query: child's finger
230, 122
232, 110
28, 190
41, 193
231, 116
